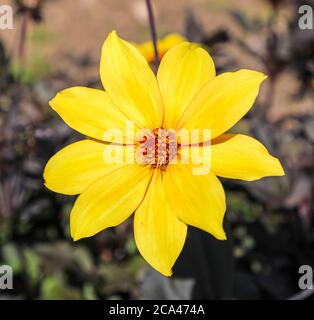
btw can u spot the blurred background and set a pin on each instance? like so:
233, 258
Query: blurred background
56, 44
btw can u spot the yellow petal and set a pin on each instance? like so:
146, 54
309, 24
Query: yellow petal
109, 200
164, 44
241, 157
169, 41
159, 234
75, 167
222, 102
182, 73
147, 50
89, 111
198, 201
130, 82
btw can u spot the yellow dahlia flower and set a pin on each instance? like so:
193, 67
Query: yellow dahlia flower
165, 196
163, 45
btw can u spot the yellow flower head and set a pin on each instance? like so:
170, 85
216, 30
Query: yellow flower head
163, 45
165, 195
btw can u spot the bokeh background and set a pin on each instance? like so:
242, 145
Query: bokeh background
56, 44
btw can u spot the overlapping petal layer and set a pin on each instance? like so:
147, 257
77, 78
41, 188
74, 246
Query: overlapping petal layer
222, 102
181, 74
159, 234
197, 200
72, 169
130, 82
109, 201
90, 112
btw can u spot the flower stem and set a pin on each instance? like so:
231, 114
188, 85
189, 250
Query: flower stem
153, 31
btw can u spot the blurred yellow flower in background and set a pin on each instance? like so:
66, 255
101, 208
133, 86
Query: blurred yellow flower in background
163, 45
186, 93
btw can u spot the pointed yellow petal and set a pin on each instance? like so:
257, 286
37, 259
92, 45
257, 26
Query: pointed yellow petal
109, 200
183, 71
241, 157
198, 201
130, 82
222, 102
159, 234
89, 111
75, 167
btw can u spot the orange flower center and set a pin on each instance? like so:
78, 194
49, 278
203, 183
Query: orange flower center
157, 148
